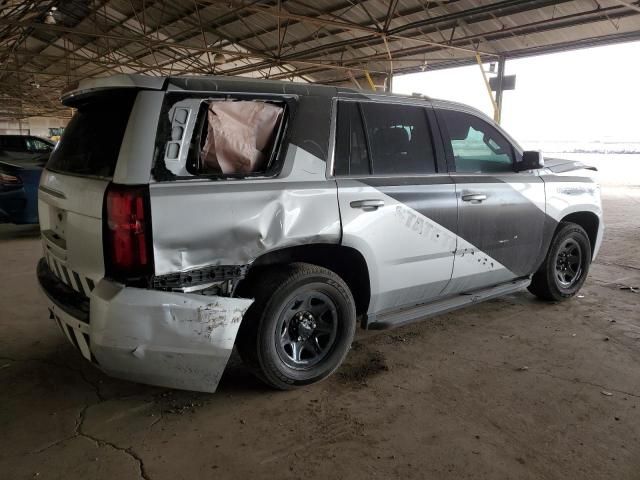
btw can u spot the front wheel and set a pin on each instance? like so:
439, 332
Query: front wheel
300, 326
566, 265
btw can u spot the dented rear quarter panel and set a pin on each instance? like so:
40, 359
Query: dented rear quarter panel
202, 222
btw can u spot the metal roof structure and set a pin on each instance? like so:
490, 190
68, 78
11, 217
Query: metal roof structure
45, 45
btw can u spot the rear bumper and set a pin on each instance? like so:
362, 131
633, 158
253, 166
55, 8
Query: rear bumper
169, 339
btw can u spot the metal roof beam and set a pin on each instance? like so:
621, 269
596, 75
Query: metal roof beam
479, 14
629, 5
533, 27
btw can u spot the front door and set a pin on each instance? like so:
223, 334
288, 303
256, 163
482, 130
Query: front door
501, 213
397, 205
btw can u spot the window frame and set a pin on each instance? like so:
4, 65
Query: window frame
199, 133
160, 173
358, 111
440, 161
516, 151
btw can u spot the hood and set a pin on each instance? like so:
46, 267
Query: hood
559, 165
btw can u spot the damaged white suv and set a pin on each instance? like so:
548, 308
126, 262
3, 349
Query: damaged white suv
183, 216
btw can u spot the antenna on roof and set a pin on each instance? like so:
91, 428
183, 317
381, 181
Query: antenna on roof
420, 95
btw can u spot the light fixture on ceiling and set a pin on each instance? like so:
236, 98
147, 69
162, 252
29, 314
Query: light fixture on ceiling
50, 17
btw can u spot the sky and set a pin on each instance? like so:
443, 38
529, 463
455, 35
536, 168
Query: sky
579, 96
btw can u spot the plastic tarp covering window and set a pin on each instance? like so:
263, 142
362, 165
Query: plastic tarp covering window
238, 133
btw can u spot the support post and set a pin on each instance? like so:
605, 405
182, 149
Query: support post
370, 80
496, 116
499, 87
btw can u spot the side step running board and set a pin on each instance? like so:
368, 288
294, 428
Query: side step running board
405, 316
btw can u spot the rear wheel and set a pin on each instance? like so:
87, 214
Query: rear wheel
566, 265
300, 326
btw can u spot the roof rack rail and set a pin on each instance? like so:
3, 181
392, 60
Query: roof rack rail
420, 95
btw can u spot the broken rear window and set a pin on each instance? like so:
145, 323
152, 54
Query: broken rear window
222, 137
239, 136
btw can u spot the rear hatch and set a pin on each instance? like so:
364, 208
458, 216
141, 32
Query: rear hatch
73, 185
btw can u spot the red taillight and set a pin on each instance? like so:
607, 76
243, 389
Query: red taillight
6, 179
127, 232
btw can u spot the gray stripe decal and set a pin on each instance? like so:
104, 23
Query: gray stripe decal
515, 212
431, 197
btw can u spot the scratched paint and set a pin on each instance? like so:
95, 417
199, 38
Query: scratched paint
177, 340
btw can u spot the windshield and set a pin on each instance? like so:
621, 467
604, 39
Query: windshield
91, 141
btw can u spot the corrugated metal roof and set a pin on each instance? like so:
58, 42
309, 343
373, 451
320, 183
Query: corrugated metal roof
45, 45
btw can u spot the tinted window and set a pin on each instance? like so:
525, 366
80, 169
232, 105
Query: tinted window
351, 147
12, 143
91, 142
399, 139
476, 145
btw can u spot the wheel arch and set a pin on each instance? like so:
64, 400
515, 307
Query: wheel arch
587, 220
347, 262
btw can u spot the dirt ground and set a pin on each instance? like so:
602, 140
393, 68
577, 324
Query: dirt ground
512, 388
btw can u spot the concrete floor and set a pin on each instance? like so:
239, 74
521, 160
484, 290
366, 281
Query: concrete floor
513, 388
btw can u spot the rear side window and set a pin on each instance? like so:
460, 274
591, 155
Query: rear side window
91, 141
476, 146
238, 137
219, 137
398, 140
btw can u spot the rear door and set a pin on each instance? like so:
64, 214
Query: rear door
501, 213
397, 202
72, 187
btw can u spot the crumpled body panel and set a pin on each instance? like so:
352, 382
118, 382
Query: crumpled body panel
232, 222
169, 339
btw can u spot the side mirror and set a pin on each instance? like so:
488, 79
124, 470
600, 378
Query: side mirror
531, 160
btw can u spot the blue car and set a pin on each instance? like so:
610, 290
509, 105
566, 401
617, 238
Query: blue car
22, 159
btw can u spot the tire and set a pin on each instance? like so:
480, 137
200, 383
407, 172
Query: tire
296, 304
561, 274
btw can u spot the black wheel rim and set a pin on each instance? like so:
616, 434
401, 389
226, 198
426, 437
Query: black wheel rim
307, 329
568, 263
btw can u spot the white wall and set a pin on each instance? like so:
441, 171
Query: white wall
38, 126
13, 127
